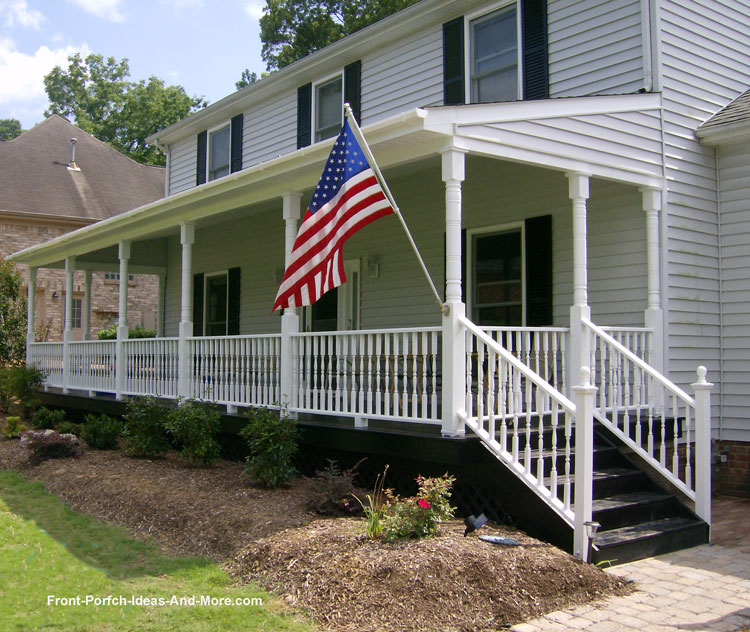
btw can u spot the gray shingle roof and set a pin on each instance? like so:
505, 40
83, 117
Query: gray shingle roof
34, 177
737, 110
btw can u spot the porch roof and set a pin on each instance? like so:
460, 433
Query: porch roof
611, 137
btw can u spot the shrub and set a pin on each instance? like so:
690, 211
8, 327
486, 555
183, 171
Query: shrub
330, 492
110, 333
272, 441
13, 427
47, 419
143, 431
194, 426
48, 444
22, 383
68, 427
421, 515
6, 395
101, 432
12, 315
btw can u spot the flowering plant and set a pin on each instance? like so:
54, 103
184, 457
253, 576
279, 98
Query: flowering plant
420, 516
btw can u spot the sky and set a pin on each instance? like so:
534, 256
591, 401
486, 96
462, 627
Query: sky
202, 45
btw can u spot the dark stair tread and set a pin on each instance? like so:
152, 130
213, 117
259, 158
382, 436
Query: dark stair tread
614, 537
629, 500
602, 474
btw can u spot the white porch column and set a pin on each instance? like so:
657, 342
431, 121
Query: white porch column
578, 191
86, 308
290, 318
654, 316
70, 269
187, 238
121, 372
454, 341
160, 304
30, 310
583, 397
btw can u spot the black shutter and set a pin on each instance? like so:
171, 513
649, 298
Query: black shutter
198, 304
236, 143
352, 88
453, 62
233, 300
539, 271
534, 49
200, 164
304, 115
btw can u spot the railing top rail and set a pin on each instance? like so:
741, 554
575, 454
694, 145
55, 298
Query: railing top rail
540, 382
646, 330
647, 368
236, 337
47, 342
358, 332
561, 330
90, 342
175, 338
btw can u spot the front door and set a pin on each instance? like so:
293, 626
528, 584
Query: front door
337, 309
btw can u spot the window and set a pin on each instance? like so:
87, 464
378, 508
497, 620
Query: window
77, 313
218, 153
328, 108
494, 56
497, 278
216, 304
115, 276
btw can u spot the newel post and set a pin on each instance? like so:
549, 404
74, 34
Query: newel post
583, 397
702, 392
289, 318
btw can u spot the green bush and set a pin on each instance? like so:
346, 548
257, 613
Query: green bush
421, 515
194, 426
331, 491
23, 383
45, 418
68, 427
272, 441
47, 444
13, 427
143, 431
137, 332
101, 432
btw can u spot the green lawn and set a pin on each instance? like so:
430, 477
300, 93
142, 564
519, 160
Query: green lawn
49, 551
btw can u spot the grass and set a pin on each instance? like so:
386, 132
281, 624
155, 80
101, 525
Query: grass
49, 550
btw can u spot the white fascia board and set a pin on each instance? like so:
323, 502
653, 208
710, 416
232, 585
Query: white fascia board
726, 134
213, 197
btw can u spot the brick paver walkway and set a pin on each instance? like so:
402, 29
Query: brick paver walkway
703, 588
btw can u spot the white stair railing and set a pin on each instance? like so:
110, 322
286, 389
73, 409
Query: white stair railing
654, 417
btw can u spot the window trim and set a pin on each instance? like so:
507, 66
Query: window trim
209, 132
206, 277
519, 226
483, 12
314, 103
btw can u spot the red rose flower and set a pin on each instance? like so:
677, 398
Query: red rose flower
423, 503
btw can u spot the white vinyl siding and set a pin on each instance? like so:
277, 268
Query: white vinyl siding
270, 130
734, 198
182, 165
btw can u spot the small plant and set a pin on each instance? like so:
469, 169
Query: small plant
23, 384
110, 333
421, 515
376, 507
48, 444
101, 432
6, 396
45, 418
194, 426
143, 431
272, 441
330, 491
68, 427
13, 427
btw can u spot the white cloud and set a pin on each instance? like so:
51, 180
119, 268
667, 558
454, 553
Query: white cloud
181, 5
16, 12
22, 75
105, 9
255, 9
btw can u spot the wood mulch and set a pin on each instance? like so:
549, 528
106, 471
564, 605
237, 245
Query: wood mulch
325, 567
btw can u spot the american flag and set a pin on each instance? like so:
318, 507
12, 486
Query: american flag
347, 198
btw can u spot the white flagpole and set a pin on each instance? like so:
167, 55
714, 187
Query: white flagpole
387, 191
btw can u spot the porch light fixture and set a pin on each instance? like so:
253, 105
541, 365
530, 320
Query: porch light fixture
372, 265
54, 295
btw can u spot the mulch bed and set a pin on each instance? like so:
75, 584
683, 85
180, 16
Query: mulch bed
323, 566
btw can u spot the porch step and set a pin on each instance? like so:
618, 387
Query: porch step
648, 538
625, 510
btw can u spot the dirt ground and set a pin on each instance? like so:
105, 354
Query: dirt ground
325, 567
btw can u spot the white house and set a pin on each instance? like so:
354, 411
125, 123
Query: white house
545, 157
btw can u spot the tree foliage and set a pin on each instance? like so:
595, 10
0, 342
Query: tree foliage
12, 316
98, 95
292, 29
246, 79
9, 128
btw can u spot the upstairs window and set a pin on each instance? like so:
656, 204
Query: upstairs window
328, 108
494, 56
218, 153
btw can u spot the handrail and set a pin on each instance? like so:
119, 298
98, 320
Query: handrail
561, 330
520, 366
647, 368
363, 332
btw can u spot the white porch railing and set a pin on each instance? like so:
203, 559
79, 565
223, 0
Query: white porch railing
654, 417
369, 373
48, 358
92, 365
235, 370
151, 366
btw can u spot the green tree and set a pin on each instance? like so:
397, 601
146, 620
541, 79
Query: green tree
246, 79
97, 94
12, 316
292, 29
9, 128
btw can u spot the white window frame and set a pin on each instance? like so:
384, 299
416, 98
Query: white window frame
480, 13
206, 277
314, 107
489, 230
209, 133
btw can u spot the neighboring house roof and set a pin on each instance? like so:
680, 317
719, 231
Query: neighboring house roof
731, 124
35, 178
